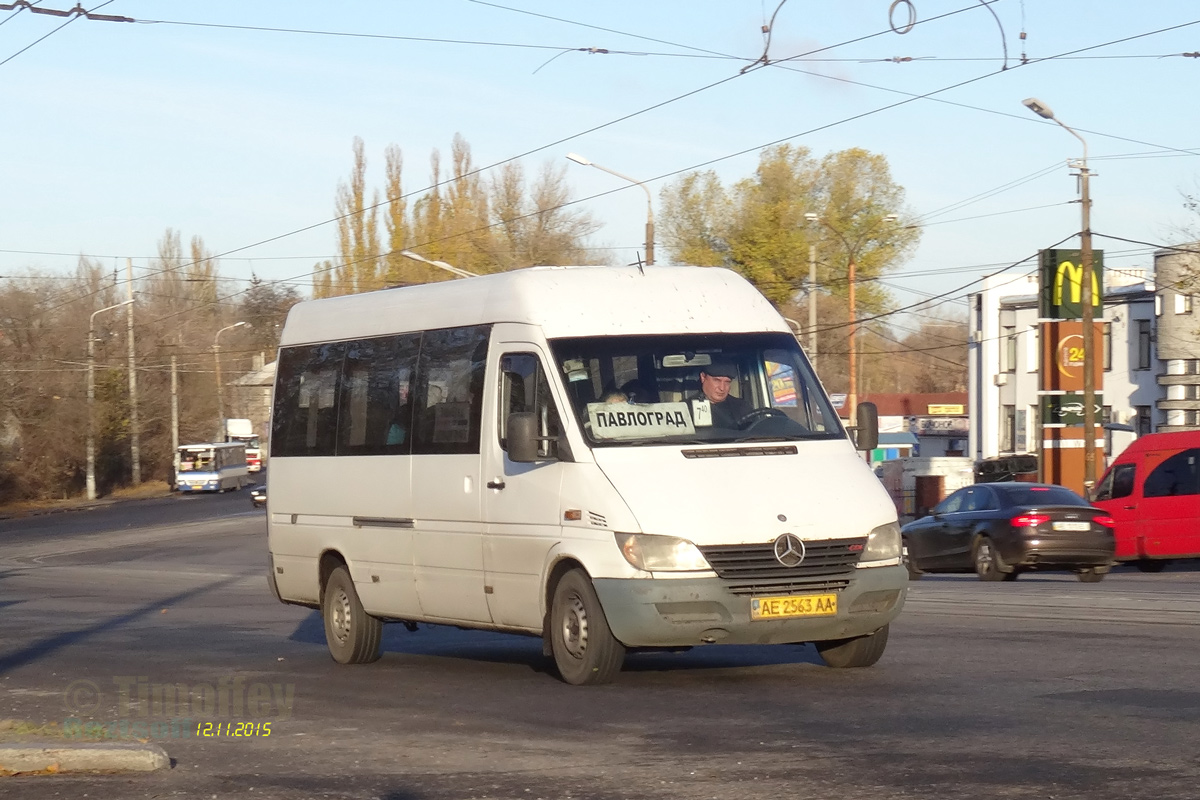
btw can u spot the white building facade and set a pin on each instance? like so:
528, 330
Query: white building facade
1150, 347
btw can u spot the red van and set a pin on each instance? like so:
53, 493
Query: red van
1152, 490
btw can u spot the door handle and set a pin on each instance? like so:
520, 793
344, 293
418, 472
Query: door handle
1129, 508
498, 483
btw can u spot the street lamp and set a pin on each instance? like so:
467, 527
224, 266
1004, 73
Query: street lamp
852, 249
91, 398
578, 159
460, 273
1086, 299
220, 389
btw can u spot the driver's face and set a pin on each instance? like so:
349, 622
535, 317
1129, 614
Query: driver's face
715, 389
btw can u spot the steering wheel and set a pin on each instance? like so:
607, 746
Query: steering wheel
758, 415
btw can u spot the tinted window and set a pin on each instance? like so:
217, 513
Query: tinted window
978, 498
376, 410
1175, 476
449, 392
524, 388
304, 420
951, 504
1017, 495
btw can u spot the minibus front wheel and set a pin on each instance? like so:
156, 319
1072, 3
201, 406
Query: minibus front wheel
861, 651
584, 649
353, 635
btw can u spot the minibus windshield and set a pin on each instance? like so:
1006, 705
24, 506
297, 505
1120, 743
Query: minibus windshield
693, 388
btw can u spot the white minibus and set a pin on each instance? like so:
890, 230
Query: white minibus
610, 458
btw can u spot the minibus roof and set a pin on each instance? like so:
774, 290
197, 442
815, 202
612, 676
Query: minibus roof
563, 301
1171, 440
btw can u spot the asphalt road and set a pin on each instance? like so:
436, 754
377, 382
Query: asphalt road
1042, 688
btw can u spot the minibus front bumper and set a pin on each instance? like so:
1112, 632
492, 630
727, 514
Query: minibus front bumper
693, 611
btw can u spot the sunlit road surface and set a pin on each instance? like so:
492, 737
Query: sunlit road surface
1041, 688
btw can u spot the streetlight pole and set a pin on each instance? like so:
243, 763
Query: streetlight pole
1085, 298
91, 398
578, 159
851, 268
220, 388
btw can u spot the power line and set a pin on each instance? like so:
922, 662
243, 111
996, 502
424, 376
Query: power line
40, 10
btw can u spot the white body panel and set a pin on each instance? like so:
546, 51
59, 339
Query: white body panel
444, 547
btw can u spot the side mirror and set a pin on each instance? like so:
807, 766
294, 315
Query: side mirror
866, 435
522, 437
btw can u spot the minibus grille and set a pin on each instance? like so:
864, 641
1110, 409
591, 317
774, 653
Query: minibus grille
751, 568
765, 588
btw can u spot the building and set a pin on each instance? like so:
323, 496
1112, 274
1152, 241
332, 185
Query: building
1150, 350
918, 424
251, 397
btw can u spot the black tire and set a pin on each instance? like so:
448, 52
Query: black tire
584, 649
1091, 575
989, 565
352, 634
1151, 565
861, 651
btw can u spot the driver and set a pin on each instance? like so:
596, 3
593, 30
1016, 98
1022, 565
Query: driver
715, 380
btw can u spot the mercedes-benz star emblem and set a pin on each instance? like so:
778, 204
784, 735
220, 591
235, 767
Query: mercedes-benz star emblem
789, 550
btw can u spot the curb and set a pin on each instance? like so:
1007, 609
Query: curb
49, 758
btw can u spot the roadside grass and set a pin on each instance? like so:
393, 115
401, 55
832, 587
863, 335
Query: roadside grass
157, 488
19, 729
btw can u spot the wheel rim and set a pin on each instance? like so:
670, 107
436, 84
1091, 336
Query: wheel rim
983, 558
575, 627
339, 617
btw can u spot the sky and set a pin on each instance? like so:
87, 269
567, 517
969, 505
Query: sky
234, 121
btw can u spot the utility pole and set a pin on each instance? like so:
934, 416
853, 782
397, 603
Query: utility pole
1089, 344
174, 416
812, 305
134, 428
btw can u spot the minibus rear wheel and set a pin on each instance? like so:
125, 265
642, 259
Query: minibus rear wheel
585, 651
861, 651
353, 635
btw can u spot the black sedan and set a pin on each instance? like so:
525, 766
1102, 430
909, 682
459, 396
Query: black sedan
258, 495
1000, 530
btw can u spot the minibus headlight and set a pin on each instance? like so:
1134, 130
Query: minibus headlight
883, 543
661, 553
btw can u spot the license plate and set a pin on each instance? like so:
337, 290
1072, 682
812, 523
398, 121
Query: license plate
1072, 526
801, 605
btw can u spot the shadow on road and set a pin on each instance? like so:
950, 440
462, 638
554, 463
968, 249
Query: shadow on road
442, 641
51, 644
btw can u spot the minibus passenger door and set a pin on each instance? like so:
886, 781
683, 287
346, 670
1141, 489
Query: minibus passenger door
521, 500
446, 480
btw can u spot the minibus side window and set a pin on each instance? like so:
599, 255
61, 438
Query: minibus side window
449, 390
524, 388
1176, 476
304, 419
376, 396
